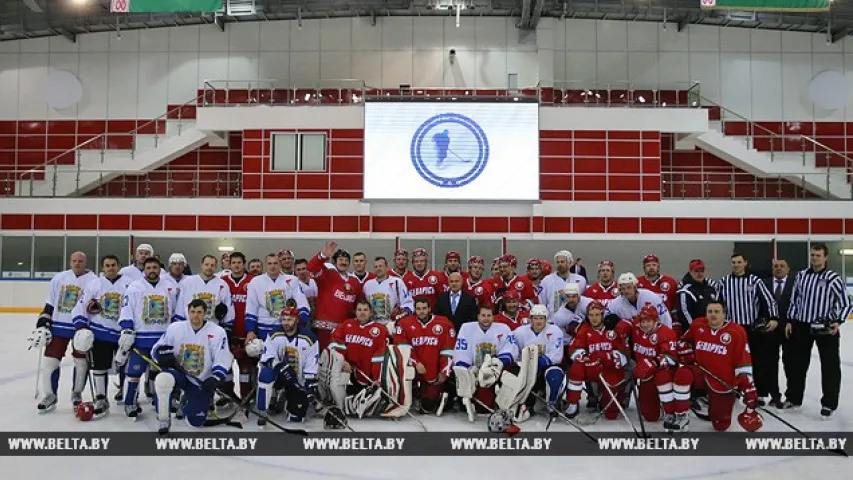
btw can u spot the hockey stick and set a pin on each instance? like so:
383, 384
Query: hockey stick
393, 400
618, 404
635, 391
739, 395
565, 418
229, 420
38, 372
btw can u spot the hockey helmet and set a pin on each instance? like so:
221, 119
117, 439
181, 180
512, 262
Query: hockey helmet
534, 262
289, 312
651, 258
452, 254
750, 420
539, 310
177, 258
84, 411
500, 421
513, 295
595, 305
564, 253
627, 278
571, 289
476, 260
255, 348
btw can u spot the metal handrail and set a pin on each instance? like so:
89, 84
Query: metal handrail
771, 133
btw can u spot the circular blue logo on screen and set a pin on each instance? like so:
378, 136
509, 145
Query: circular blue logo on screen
449, 150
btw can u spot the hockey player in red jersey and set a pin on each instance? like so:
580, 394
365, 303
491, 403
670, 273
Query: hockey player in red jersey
534, 274
653, 280
663, 382
362, 342
452, 262
598, 354
512, 315
510, 281
547, 269
423, 282
495, 270
432, 339
359, 268
475, 284
605, 289
237, 281
337, 291
720, 347
401, 263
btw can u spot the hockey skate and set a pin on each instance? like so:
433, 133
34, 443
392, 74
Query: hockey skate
680, 423
163, 429
572, 410
47, 404
262, 422
132, 411
119, 396
102, 405
76, 398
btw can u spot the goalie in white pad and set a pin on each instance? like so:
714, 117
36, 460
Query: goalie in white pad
476, 364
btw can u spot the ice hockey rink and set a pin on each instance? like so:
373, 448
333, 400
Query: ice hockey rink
17, 386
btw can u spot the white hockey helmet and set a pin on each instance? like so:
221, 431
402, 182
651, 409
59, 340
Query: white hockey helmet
539, 310
178, 258
145, 247
564, 253
572, 289
255, 348
627, 278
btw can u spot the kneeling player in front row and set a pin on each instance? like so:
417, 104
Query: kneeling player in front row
194, 357
663, 383
598, 356
288, 364
721, 363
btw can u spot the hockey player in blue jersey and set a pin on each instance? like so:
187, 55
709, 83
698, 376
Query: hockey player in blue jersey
194, 357
289, 363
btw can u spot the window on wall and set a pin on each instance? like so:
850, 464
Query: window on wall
298, 152
17, 255
49, 257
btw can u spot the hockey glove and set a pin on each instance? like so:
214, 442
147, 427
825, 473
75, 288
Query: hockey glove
40, 338
166, 357
285, 376
572, 327
94, 307
686, 353
126, 339
617, 360
43, 321
611, 320
211, 383
645, 369
490, 371
593, 368
220, 311
750, 395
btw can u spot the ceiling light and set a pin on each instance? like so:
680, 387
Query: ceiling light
226, 248
20, 263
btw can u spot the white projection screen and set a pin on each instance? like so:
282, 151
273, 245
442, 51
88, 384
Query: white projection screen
451, 151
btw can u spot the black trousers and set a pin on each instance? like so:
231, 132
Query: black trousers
765, 348
797, 357
102, 354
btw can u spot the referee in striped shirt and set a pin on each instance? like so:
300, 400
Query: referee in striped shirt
746, 297
818, 293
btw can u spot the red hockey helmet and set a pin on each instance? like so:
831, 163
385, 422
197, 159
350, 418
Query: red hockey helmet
475, 260
651, 258
648, 312
419, 252
607, 263
595, 305
290, 312
452, 254
84, 411
401, 251
534, 262
510, 259
750, 420
496, 261
512, 295
546, 267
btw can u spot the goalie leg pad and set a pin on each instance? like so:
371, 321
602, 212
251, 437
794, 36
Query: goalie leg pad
331, 379
515, 389
465, 382
361, 404
81, 374
397, 378
163, 386
266, 378
555, 384
49, 369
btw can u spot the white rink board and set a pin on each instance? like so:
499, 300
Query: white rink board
19, 414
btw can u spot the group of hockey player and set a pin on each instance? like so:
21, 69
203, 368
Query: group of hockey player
312, 333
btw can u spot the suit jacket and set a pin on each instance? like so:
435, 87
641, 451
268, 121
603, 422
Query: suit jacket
785, 300
466, 310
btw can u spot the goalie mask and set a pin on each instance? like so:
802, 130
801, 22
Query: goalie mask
500, 421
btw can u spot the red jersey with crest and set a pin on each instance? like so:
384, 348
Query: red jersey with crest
428, 285
665, 287
238, 299
597, 343
724, 352
481, 290
521, 317
336, 293
363, 347
603, 294
432, 343
522, 285
661, 342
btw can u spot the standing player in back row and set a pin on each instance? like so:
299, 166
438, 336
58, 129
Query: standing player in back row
423, 282
337, 291
210, 289
663, 285
266, 297
554, 284
238, 282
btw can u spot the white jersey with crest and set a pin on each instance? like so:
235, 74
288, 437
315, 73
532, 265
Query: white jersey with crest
213, 292
134, 273
627, 311
386, 295
66, 288
266, 298
552, 286
564, 317
110, 294
148, 309
200, 352
473, 343
300, 350
309, 289
549, 341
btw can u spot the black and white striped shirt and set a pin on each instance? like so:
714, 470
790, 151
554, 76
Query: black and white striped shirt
819, 294
744, 295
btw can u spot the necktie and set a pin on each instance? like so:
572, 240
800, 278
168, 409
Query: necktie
777, 292
454, 302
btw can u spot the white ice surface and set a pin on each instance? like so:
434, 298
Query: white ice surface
17, 385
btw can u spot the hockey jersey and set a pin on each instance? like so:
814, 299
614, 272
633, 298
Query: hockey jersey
300, 350
473, 343
549, 342
149, 309
336, 294
364, 277
212, 292
432, 343
552, 289
266, 298
569, 320
387, 295
660, 343
723, 352
110, 294
522, 285
604, 294
134, 273
481, 290
239, 293
521, 317
627, 310
363, 347
202, 353
428, 285
665, 287
65, 292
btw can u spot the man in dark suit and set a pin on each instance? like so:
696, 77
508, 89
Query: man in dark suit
460, 307
781, 285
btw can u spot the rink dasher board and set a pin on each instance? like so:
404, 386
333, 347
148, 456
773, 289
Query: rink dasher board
419, 444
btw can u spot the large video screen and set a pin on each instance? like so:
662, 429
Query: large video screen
451, 151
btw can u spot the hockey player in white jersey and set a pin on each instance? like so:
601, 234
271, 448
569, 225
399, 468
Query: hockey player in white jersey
543, 342
475, 360
632, 299
177, 265
307, 284
289, 363
210, 288
388, 295
56, 327
552, 285
266, 298
572, 313
194, 357
148, 309
99, 307
136, 270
